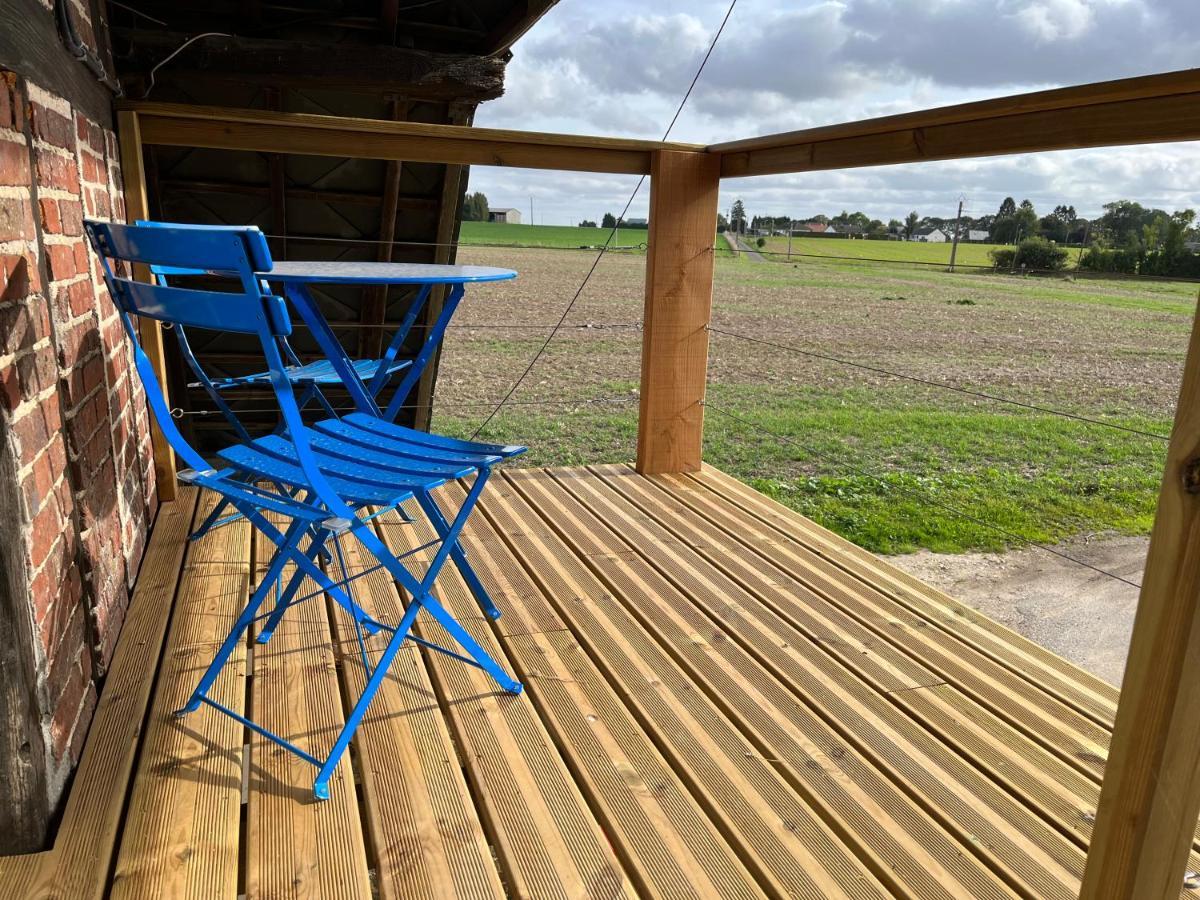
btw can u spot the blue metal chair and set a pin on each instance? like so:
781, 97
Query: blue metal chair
309, 377
330, 475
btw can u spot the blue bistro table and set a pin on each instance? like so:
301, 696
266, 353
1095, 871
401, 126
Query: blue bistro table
295, 277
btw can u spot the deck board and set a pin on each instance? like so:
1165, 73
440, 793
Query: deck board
722, 700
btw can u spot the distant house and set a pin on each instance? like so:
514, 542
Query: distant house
978, 236
635, 222
814, 228
930, 236
509, 216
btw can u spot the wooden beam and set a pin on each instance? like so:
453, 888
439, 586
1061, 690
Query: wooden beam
679, 276
267, 132
446, 251
1150, 798
149, 332
374, 308
358, 198
1142, 110
419, 73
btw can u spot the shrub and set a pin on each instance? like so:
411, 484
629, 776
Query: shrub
1031, 253
761, 242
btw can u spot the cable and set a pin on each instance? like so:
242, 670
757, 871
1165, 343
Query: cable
938, 384
608, 240
174, 53
179, 413
1011, 535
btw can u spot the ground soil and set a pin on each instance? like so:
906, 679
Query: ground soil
1079, 614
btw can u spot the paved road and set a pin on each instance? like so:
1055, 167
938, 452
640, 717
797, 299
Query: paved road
738, 244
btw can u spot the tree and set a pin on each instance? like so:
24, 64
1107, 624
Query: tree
1122, 222
910, 223
722, 223
587, 223
737, 217
895, 226
1007, 208
475, 207
609, 221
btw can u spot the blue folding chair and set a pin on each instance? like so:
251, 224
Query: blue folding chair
324, 478
309, 378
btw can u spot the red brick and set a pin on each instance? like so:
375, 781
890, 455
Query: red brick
90, 133
82, 266
32, 432
44, 530
71, 214
61, 260
92, 168
55, 171
19, 277
8, 87
16, 219
101, 203
21, 326
51, 127
51, 223
66, 711
6, 104
80, 381
37, 370
14, 163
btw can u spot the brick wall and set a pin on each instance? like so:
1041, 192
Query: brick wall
74, 435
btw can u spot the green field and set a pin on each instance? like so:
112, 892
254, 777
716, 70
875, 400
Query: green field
571, 237
877, 458
554, 236
891, 251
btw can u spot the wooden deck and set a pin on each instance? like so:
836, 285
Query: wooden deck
722, 700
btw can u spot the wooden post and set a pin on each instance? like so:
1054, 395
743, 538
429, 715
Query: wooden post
679, 278
137, 206
1150, 799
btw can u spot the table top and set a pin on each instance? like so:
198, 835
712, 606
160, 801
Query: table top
319, 272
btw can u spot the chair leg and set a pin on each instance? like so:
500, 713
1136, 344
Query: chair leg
309, 568
442, 527
421, 591
378, 673
288, 547
315, 547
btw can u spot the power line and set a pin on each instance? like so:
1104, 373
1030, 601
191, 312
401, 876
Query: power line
923, 497
608, 240
939, 384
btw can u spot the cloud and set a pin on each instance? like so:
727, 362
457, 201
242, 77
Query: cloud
621, 68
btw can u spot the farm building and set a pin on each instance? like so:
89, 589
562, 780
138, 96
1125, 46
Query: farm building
931, 236
508, 216
978, 236
666, 683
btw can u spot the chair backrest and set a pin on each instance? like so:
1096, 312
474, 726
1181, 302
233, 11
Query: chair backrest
237, 252
224, 252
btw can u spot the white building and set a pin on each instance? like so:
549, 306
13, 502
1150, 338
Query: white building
509, 216
931, 236
978, 236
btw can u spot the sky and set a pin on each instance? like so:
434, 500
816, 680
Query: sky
620, 67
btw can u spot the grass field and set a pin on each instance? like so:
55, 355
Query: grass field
877, 458
555, 236
571, 237
894, 251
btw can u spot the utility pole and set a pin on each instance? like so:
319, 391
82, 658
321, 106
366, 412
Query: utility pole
1086, 231
531, 210
791, 228
954, 246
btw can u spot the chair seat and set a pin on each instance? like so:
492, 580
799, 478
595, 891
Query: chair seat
319, 371
366, 460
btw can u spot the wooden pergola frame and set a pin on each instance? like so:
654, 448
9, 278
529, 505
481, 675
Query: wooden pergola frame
1150, 799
